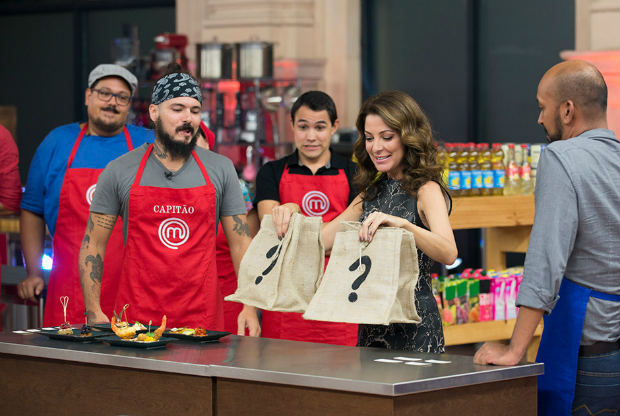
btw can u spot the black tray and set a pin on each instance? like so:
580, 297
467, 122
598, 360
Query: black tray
53, 334
212, 336
116, 341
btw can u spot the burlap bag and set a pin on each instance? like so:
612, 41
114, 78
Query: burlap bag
282, 275
381, 291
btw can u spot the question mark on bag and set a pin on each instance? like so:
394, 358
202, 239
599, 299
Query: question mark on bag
361, 278
270, 252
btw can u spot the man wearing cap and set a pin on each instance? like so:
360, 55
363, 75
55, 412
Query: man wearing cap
61, 182
171, 195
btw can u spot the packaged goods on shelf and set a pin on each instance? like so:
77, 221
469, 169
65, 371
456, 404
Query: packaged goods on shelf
477, 295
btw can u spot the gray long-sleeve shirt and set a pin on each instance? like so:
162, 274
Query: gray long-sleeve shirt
576, 230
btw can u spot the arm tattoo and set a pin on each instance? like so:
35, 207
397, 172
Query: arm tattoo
105, 221
241, 227
159, 152
86, 240
90, 225
97, 269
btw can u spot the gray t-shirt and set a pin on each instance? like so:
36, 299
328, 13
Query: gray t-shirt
112, 192
576, 232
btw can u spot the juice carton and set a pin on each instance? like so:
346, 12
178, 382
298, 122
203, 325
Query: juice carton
449, 304
485, 300
479, 274
461, 302
466, 274
473, 292
498, 289
510, 293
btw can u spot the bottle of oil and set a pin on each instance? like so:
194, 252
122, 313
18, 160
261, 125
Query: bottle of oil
513, 181
499, 173
463, 166
454, 176
525, 172
474, 168
486, 167
442, 159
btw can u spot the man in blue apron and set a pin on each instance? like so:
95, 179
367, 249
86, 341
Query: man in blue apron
572, 267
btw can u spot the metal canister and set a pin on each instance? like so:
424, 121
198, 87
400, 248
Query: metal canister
254, 60
214, 60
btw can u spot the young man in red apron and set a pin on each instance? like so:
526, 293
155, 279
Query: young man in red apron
572, 266
168, 265
320, 183
108, 100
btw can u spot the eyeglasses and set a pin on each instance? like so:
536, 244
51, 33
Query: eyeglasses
106, 95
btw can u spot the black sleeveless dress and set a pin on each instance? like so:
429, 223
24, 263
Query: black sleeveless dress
427, 336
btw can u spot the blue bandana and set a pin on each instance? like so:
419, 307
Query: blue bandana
175, 85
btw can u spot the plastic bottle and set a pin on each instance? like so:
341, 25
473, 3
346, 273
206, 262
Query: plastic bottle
474, 168
463, 167
486, 168
499, 173
454, 176
442, 159
512, 185
525, 172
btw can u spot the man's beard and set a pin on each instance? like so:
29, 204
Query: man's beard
108, 127
174, 148
559, 130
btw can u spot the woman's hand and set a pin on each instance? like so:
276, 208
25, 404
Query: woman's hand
282, 217
376, 219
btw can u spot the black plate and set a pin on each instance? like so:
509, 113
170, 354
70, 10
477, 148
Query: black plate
53, 334
114, 340
212, 336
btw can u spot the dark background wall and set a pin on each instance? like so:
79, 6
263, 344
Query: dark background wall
473, 65
48, 49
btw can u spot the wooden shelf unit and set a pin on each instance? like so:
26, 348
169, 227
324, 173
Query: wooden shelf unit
506, 222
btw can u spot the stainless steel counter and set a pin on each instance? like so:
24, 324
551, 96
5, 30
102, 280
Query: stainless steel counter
285, 362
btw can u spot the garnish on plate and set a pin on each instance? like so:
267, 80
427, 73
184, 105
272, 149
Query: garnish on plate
65, 328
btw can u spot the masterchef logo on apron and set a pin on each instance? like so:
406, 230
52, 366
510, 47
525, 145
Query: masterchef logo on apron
173, 232
315, 203
89, 193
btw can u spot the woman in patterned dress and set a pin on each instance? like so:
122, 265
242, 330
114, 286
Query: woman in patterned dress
401, 186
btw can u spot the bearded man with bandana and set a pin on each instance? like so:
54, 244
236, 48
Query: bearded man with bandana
170, 195
61, 181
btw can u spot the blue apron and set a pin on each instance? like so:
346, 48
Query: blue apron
559, 347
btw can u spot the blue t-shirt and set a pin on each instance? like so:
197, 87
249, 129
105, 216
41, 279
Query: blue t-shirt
47, 169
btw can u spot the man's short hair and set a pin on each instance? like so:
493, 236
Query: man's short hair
586, 87
315, 101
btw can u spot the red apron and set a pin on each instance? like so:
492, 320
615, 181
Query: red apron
169, 260
317, 195
227, 280
76, 195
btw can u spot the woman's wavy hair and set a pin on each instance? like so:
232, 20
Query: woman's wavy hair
403, 115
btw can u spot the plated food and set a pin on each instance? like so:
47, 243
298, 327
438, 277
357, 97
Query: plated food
196, 334
129, 332
76, 335
86, 331
65, 329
